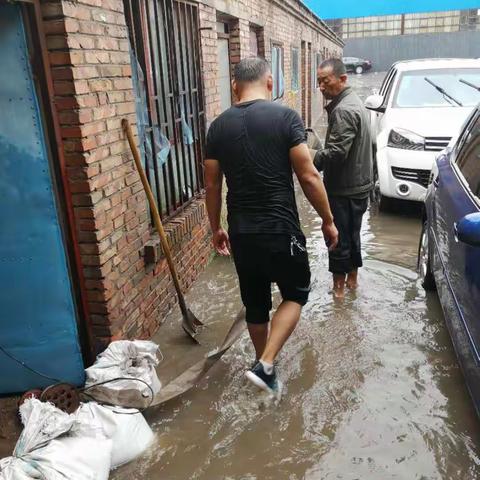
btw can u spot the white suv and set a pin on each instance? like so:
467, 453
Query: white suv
421, 105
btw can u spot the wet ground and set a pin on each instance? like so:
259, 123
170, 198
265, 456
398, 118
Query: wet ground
373, 389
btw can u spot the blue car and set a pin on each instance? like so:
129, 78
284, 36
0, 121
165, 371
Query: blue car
449, 251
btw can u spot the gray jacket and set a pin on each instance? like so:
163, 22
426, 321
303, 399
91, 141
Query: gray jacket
346, 159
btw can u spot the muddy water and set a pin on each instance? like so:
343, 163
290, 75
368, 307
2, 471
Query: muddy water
372, 387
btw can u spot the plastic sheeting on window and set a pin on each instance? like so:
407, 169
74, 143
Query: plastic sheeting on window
162, 144
281, 80
274, 72
187, 133
277, 72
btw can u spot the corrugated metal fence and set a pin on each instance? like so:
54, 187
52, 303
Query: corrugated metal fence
383, 51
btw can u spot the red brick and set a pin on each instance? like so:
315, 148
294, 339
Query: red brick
100, 85
81, 42
91, 28
106, 43
77, 11
115, 97
97, 57
122, 84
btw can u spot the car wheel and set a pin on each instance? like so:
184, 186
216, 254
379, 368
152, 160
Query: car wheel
359, 69
424, 261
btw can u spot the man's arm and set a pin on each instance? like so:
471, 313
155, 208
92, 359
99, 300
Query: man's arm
213, 200
343, 130
313, 188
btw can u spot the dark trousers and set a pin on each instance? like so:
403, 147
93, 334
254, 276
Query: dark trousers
347, 215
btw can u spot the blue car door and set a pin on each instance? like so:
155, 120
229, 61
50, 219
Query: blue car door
457, 195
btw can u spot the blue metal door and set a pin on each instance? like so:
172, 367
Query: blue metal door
37, 315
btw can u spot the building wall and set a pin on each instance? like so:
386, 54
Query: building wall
384, 51
286, 23
407, 24
88, 49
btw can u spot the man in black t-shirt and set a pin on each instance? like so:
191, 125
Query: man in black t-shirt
256, 144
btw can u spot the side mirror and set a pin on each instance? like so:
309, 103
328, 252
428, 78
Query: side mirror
375, 103
468, 229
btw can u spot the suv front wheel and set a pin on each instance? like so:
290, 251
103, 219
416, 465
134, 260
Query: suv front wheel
359, 69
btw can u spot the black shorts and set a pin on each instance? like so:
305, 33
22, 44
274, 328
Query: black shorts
263, 259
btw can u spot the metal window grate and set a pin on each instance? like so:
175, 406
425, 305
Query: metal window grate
164, 35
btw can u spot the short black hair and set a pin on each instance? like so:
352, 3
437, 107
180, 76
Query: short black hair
250, 69
336, 65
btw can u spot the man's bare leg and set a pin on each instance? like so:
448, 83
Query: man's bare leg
339, 285
259, 335
352, 279
283, 324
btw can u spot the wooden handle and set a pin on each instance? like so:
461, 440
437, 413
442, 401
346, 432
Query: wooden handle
153, 207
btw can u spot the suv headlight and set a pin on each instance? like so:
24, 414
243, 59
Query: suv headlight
406, 140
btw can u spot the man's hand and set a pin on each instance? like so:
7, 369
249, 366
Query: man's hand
221, 242
330, 234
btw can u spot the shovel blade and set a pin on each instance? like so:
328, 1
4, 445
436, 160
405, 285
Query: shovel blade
191, 324
193, 319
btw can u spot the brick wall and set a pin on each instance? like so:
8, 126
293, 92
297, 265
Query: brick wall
88, 47
285, 22
90, 64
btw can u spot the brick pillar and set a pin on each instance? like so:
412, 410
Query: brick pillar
89, 57
208, 39
261, 41
239, 41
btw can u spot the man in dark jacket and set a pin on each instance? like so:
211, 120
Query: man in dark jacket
346, 162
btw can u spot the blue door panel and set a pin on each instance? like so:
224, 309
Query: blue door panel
460, 261
37, 314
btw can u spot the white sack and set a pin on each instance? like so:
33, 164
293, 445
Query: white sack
127, 428
75, 458
48, 448
125, 359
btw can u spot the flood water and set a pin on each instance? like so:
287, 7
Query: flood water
372, 386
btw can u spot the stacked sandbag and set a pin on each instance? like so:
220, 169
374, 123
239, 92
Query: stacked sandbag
126, 427
128, 367
49, 448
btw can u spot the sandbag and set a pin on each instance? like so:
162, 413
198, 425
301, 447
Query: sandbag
121, 365
72, 457
127, 428
50, 449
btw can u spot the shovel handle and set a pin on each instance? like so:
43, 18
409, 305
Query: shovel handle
156, 215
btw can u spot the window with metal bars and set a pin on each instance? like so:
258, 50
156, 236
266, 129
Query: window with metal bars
165, 47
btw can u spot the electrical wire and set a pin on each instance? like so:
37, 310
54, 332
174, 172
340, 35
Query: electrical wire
105, 382
85, 389
24, 365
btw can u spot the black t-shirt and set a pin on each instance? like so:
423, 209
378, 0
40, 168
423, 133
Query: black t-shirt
252, 141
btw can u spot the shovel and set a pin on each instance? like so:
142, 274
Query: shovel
190, 322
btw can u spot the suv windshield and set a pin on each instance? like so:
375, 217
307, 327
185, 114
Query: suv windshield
414, 91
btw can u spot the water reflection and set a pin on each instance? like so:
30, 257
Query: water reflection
373, 390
